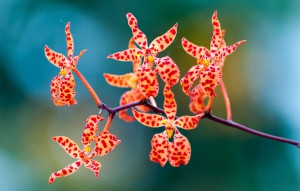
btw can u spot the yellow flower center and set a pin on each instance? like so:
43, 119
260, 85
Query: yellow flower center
88, 149
62, 72
169, 133
150, 59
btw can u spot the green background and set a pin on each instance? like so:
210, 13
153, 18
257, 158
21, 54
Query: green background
261, 77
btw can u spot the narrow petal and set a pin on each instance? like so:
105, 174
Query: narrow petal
180, 150
105, 142
68, 145
130, 54
217, 34
138, 36
120, 81
135, 63
150, 120
195, 51
225, 51
189, 78
90, 129
160, 145
70, 169
188, 122
162, 42
170, 105
168, 70
70, 42
148, 81
209, 79
94, 166
57, 59
196, 102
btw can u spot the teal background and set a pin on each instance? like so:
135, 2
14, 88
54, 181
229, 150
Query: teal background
262, 78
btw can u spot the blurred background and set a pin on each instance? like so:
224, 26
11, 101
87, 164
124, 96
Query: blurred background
261, 76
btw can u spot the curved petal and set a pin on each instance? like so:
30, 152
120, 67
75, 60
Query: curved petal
120, 81
170, 105
225, 51
150, 120
162, 42
187, 81
54, 90
66, 92
217, 34
209, 79
137, 96
125, 99
93, 165
188, 122
127, 55
180, 150
160, 146
196, 102
90, 129
195, 51
105, 142
138, 36
70, 169
168, 70
148, 83
57, 59
68, 145
70, 42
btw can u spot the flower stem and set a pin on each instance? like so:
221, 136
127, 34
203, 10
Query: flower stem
108, 122
88, 86
226, 99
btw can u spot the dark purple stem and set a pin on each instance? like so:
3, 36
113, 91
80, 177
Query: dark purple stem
229, 123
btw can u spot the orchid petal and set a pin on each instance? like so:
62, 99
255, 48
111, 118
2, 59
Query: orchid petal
170, 105
93, 165
189, 78
168, 70
150, 120
91, 129
127, 55
138, 36
70, 43
217, 34
54, 90
105, 142
57, 59
196, 103
162, 42
180, 150
68, 145
135, 63
148, 81
188, 122
160, 145
225, 51
120, 81
195, 51
209, 79
126, 98
70, 169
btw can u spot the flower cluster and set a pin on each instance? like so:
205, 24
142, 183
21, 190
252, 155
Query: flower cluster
170, 145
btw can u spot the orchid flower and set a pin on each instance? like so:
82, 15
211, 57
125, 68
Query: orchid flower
148, 52
105, 142
62, 86
179, 151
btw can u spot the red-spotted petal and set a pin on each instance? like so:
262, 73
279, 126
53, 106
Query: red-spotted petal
65, 171
135, 63
196, 51
170, 105
180, 150
68, 145
105, 142
127, 55
70, 42
91, 129
150, 120
187, 81
138, 36
148, 81
57, 59
217, 34
162, 42
160, 146
225, 51
188, 122
118, 80
196, 102
209, 79
93, 165
168, 70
